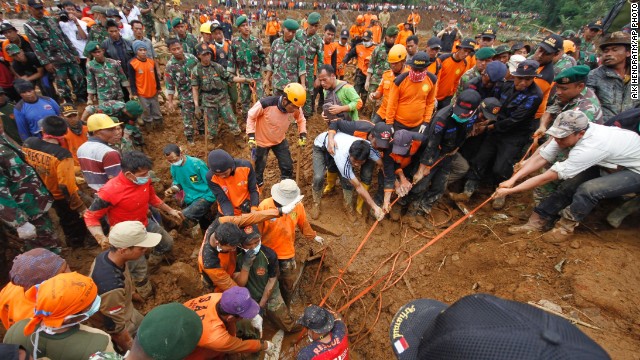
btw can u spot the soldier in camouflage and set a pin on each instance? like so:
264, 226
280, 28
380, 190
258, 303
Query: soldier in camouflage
188, 41
55, 52
177, 75
147, 17
314, 54
24, 200
127, 113
588, 47
564, 62
247, 59
286, 60
378, 63
98, 31
105, 77
209, 88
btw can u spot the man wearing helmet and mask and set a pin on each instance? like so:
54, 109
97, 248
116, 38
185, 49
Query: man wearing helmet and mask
357, 31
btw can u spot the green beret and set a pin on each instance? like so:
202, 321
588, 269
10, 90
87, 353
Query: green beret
485, 53
291, 24
313, 18
175, 22
503, 49
241, 20
91, 47
133, 107
392, 31
12, 49
572, 74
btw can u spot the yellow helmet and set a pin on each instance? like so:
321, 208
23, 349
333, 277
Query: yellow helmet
100, 121
396, 54
296, 93
205, 28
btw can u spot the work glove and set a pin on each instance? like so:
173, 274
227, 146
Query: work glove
198, 112
256, 322
378, 213
422, 128
289, 208
271, 349
247, 260
302, 142
103, 241
319, 240
252, 141
26, 231
172, 190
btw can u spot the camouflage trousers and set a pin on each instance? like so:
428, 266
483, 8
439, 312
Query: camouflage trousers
74, 74
149, 29
308, 104
212, 115
246, 98
188, 111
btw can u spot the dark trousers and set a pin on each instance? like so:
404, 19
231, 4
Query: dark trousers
272, 38
444, 102
72, 224
318, 93
498, 153
360, 79
285, 163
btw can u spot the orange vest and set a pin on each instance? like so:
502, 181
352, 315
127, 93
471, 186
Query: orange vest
364, 56
377, 33
6, 43
342, 52
14, 306
403, 35
384, 88
356, 31
146, 85
74, 141
235, 187
329, 50
273, 28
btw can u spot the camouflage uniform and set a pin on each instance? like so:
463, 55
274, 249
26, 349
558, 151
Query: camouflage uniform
106, 356
106, 80
189, 44
314, 53
147, 19
287, 62
612, 91
24, 198
587, 54
52, 46
247, 59
466, 77
177, 75
565, 62
587, 103
115, 108
213, 96
377, 66
97, 33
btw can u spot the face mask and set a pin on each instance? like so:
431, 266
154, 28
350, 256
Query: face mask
178, 163
458, 119
367, 43
80, 318
141, 180
255, 250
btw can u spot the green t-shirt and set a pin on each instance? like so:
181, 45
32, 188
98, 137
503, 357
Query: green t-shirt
264, 267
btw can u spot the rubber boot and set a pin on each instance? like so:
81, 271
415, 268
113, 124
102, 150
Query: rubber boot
348, 204
535, 224
360, 200
469, 188
315, 209
144, 288
616, 217
331, 182
561, 232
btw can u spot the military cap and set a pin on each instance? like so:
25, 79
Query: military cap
97, 9
313, 18
502, 49
595, 25
392, 31
490, 33
291, 24
467, 43
176, 21
241, 20
203, 48
567, 123
91, 47
12, 49
572, 74
568, 34
485, 53
36, 4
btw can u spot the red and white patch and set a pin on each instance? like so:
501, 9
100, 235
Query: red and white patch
401, 345
261, 271
248, 229
48, 107
115, 310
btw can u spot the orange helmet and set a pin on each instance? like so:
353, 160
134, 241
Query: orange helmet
90, 22
360, 19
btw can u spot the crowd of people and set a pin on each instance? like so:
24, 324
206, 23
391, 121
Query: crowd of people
83, 87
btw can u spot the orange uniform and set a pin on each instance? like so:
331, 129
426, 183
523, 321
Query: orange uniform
356, 31
231, 192
449, 77
471, 61
273, 28
218, 338
144, 78
280, 233
14, 306
331, 54
342, 51
413, 19
411, 104
74, 141
384, 88
545, 83
6, 43
363, 56
376, 31
403, 35
367, 19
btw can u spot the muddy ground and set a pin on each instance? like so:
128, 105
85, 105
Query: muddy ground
597, 282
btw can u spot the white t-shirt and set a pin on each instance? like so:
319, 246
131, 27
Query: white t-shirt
606, 146
341, 157
126, 32
134, 14
70, 29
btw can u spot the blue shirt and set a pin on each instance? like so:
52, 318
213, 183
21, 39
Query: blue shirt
28, 114
191, 177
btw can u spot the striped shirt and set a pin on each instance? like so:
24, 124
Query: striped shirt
98, 162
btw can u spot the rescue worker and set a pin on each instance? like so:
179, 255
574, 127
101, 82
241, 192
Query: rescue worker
362, 52
272, 29
327, 332
378, 63
343, 47
233, 182
404, 33
396, 58
452, 67
356, 32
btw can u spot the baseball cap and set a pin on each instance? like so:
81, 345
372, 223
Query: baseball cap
367, 35
238, 301
489, 33
112, 12
496, 71
220, 161
434, 42
595, 25
502, 49
344, 34
483, 326
520, 45
170, 332
36, 4
467, 43
552, 43
68, 109
490, 107
527, 68
132, 233
382, 133
6, 26
12, 49
317, 319
402, 140
467, 103
419, 61
567, 123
